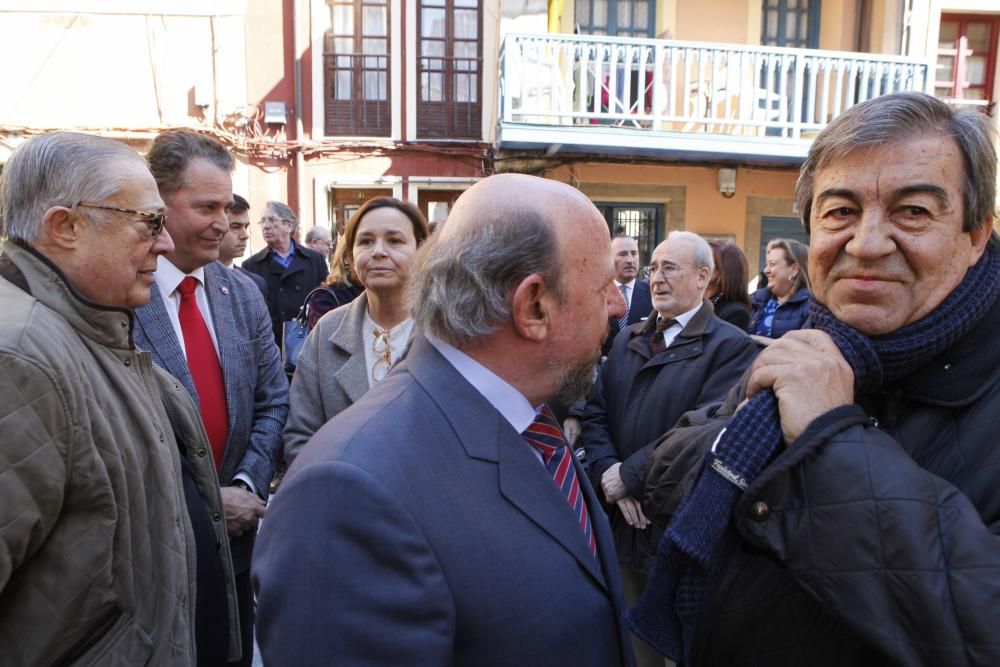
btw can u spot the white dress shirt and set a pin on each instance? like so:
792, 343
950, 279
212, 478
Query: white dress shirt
508, 401
670, 333
168, 279
629, 291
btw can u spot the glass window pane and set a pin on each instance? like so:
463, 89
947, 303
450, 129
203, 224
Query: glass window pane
945, 68
432, 23
771, 27
374, 46
343, 45
343, 20
467, 3
462, 88
466, 24
375, 21
465, 49
342, 85
948, 35
979, 36
973, 94
623, 14
431, 88
432, 3
600, 14
975, 70
803, 27
375, 86
430, 47
642, 15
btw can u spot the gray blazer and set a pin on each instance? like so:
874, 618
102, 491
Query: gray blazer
330, 375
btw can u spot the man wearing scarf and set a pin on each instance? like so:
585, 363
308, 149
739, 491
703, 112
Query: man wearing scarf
841, 507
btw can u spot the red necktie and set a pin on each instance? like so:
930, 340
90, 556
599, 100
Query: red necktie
656, 345
544, 435
203, 363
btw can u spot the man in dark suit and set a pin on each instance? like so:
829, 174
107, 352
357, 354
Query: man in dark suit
625, 251
208, 327
681, 359
442, 519
290, 270
234, 242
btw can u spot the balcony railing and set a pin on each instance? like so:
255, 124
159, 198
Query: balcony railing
666, 86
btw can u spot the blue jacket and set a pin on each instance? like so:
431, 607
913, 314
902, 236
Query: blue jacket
790, 315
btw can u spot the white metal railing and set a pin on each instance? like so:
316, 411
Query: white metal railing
665, 85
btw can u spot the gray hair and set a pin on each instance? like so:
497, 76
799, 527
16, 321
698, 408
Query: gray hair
701, 252
283, 212
172, 152
894, 118
317, 233
57, 169
462, 281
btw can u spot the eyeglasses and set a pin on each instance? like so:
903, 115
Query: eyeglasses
668, 270
153, 220
270, 220
382, 346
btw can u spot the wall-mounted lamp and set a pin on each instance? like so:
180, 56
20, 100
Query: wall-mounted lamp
727, 182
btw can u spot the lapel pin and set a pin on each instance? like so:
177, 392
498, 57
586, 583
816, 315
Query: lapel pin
225, 290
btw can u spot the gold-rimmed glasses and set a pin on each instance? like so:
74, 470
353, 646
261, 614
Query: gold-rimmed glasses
153, 220
667, 269
382, 346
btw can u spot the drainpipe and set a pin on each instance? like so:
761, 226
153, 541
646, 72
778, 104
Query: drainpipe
300, 160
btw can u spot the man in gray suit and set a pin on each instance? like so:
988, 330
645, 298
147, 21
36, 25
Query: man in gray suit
209, 327
442, 519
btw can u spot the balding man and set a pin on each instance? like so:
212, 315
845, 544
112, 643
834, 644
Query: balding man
680, 359
106, 511
441, 519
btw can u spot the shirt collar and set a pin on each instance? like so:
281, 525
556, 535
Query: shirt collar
630, 284
168, 276
685, 317
507, 400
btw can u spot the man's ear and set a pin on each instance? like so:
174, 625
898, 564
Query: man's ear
532, 308
979, 238
61, 228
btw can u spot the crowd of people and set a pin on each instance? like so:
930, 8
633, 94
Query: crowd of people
508, 441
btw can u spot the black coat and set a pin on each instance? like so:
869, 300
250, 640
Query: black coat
732, 311
637, 399
789, 316
875, 538
287, 289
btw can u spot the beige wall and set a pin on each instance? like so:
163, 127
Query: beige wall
104, 71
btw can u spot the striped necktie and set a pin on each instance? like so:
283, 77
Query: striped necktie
623, 320
544, 435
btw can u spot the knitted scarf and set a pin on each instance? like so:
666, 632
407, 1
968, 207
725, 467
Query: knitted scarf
690, 554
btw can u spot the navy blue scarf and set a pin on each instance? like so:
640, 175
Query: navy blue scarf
690, 554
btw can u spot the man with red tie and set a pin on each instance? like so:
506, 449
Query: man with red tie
209, 327
442, 519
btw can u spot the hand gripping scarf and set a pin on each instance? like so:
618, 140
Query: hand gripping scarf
689, 555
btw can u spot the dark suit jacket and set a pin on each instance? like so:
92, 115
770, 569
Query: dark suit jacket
287, 289
256, 386
640, 307
257, 280
418, 528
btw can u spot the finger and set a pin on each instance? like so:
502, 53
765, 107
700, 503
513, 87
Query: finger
627, 512
642, 521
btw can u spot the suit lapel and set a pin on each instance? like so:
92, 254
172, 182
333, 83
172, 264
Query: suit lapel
220, 302
352, 376
527, 485
160, 340
524, 481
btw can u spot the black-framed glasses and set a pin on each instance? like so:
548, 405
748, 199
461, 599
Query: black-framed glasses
153, 220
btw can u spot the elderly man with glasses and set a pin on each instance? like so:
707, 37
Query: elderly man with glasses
680, 359
105, 508
290, 270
